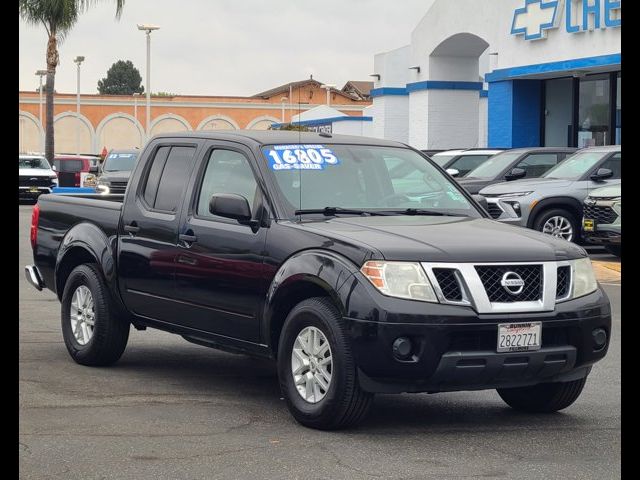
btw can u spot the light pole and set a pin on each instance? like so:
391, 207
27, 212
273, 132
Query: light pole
78, 61
148, 28
41, 73
283, 100
135, 105
328, 89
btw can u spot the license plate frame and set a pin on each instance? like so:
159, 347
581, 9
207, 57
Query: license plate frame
588, 225
519, 337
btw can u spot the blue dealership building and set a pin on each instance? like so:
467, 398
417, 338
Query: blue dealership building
504, 73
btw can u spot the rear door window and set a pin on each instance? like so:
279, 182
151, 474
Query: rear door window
168, 176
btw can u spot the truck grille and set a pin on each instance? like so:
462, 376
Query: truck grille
604, 215
494, 210
118, 187
449, 284
564, 282
491, 277
26, 181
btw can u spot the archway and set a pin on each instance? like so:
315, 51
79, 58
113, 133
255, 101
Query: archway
119, 130
262, 123
218, 122
73, 133
31, 133
169, 123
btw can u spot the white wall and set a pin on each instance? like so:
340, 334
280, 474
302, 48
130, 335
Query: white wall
483, 123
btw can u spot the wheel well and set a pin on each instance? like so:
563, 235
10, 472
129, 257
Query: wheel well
74, 257
284, 303
552, 206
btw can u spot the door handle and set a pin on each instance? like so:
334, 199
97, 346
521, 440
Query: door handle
187, 238
132, 228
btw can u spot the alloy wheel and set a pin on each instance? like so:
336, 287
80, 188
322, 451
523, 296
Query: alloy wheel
82, 315
559, 227
311, 364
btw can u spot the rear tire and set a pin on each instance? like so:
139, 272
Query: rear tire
546, 220
343, 403
614, 250
96, 336
543, 398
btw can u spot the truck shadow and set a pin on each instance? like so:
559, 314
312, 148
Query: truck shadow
254, 382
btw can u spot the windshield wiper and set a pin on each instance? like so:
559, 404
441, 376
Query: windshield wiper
420, 211
332, 211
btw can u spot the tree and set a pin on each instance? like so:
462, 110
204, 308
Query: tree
58, 18
122, 79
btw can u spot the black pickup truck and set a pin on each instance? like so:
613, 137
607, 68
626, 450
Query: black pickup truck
355, 263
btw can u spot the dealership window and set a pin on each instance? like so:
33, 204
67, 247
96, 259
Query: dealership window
582, 111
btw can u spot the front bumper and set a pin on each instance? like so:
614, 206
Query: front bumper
604, 235
455, 348
32, 192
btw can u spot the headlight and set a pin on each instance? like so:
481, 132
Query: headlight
400, 279
515, 194
584, 280
102, 189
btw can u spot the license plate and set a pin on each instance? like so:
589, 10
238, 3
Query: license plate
519, 337
34, 190
588, 225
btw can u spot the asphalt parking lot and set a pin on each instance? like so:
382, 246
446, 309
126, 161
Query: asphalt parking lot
170, 409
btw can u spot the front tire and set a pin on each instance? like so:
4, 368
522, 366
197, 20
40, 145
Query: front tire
543, 398
316, 370
93, 333
559, 223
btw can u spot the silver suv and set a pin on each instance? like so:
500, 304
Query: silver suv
553, 203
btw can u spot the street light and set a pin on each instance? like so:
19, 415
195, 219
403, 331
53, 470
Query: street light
41, 73
328, 89
283, 100
78, 61
148, 28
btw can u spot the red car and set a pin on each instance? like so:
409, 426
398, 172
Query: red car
69, 168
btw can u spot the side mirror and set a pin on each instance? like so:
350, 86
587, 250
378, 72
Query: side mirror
94, 169
230, 205
53, 167
453, 172
515, 174
602, 174
482, 201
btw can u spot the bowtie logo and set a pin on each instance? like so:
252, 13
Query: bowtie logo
535, 18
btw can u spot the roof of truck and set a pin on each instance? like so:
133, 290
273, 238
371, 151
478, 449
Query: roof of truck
268, 137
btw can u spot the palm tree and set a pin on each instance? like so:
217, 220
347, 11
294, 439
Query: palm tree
58, 18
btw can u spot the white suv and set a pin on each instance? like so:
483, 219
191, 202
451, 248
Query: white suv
36, 177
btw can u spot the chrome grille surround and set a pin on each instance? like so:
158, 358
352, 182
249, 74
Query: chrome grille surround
475, 295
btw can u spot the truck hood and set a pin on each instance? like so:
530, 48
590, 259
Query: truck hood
525, 185
35, 172
443, 239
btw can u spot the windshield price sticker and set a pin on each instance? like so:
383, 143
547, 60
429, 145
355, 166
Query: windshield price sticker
120, 155
300, 157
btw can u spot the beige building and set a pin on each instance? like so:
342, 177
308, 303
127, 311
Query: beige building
119, 121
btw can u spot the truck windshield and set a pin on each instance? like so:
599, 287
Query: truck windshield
576, 165
120, 162
363, 179
494, 166
33, 162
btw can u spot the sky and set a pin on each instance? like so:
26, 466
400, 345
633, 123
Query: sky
226, 47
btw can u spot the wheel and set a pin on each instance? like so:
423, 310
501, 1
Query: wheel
614, 250
543, 398
558, 223
93, 333
317, 373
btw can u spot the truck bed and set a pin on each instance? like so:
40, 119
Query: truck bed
60, 213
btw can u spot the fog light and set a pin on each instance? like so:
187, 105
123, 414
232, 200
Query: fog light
402, 348
599, 336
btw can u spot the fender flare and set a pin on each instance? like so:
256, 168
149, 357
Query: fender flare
94, 243
554, 202
302, 275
